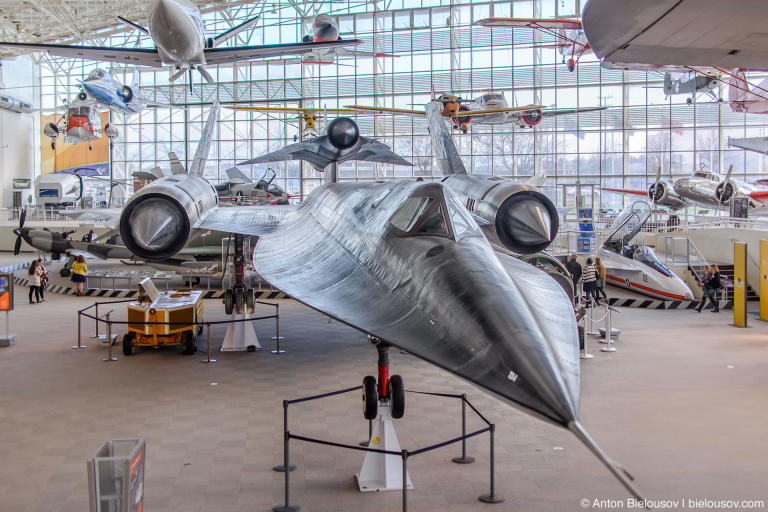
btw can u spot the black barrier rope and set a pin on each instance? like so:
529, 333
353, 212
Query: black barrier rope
286, 467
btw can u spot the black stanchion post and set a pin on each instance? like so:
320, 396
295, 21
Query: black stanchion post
97, 322
79, 329
404, 455
109, 336
277, 336
492, 497
286, 507
281, 467
208, 358
463, 459
370, 434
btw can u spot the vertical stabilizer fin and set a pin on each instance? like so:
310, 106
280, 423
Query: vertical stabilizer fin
445, 151
621, 474
201, 156
176, 165
236, 174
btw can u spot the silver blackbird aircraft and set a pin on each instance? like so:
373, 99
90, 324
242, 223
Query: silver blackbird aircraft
176, 28
703, 189
401, 261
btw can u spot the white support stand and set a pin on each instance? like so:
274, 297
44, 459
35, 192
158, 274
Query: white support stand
608, 333
585, 353
382, 472
239, 335
7, 339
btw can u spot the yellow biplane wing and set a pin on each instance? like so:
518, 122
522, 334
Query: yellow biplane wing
300, 110
462, 113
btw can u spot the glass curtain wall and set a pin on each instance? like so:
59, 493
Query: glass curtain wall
438, 51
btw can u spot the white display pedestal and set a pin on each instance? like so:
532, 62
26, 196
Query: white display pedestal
239, 335
382, 472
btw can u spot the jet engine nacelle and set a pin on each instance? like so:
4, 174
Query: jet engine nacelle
325, 28
110, 131
513, 215
127, 93
159, 220
531, 119
51, 130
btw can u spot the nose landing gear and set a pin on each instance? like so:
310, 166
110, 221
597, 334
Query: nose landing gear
389, 391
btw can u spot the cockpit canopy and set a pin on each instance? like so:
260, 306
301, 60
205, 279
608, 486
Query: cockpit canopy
705, 174
491, 96
97, 74
436, 215
646, 256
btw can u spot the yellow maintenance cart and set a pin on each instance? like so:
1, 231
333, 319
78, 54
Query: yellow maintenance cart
181, 309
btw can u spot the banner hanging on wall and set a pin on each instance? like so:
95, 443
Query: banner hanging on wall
70, 154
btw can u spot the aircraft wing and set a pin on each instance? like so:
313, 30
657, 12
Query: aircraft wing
226, 55
672, 32
245, 220
129, 56
757, 144
627, 191
382, 110
344, 52
534, 23
299, 110
563, 111
501, 110
100, 250
759, 195
110, 215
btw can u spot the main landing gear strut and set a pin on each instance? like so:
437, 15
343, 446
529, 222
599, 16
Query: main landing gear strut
239, 303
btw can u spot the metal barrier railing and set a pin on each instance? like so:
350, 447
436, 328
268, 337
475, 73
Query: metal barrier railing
109, 323
492, 497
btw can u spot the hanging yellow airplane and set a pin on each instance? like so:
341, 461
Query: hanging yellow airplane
307, 116
489, 108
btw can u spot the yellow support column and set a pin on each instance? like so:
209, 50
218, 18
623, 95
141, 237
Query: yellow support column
764, 280
739, 284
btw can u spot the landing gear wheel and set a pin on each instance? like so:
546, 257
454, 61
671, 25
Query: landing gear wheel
53, 146
370, 398
239, 301
396, 392
571, 65
65, 272
90, 147
229, 300
250, 300
128, 344
189, 343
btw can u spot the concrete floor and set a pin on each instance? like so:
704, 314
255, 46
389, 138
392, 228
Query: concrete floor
683, 405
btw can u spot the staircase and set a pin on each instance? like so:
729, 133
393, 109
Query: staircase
726, 272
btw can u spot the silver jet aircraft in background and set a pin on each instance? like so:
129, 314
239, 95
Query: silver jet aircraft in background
176, 28
100, 88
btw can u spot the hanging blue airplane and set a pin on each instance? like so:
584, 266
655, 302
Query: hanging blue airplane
100, 88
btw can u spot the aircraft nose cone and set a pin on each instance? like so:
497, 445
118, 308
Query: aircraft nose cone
509, 328
343, 133
156, 225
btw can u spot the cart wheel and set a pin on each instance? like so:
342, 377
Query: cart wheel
370, 398
127, 344
65, 272
249, 300
229, 300
396, 392
189, 343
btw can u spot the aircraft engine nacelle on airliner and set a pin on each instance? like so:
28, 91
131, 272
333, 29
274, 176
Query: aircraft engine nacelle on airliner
157, 222
512, 215
110, 131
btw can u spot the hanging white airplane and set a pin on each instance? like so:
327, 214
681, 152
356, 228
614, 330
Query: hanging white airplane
326, 28
176, 28
568, 33
489, 108
636, 267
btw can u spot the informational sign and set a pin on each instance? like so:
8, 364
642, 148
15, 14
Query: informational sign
585, 243
136, 481
739, 207
6, 292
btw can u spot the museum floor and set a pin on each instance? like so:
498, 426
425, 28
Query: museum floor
683, 405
